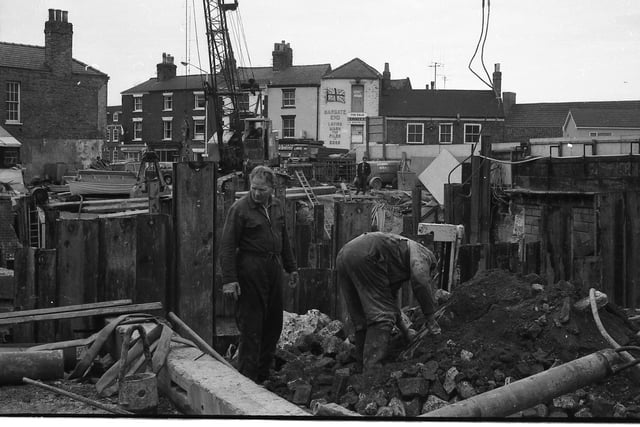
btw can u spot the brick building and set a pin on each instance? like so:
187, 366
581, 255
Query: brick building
53, 104
112, 148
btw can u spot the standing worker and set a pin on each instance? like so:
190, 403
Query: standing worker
255, 249
371, 270
363, 170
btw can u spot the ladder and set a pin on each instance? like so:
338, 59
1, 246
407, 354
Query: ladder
306, 187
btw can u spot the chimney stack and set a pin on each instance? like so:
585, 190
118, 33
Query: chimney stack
58, 42
386, 77
497, 81
166, 69
282, 56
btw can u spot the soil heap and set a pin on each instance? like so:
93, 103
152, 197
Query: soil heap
496, 328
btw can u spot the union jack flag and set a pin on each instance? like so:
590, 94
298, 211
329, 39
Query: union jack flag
335, 95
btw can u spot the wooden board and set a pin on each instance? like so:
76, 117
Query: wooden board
317, 290
118, 245
77, 281
611, 244
46, 291
66, 308
26, 297
153, 258
195, 209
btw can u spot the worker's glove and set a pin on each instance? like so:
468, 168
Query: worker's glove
231, 290
293, 279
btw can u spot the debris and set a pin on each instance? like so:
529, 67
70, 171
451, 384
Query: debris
432, 403
583, 305
333, 410
397, 407
412, 387
466, 355
465, 389
450, 380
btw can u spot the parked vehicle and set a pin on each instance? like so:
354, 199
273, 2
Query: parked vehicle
384, 173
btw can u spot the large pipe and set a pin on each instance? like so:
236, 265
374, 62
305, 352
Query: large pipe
41, 365
538, 388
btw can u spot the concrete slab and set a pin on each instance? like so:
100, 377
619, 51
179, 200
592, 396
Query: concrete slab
200, 385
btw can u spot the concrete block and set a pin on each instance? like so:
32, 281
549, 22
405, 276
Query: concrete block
302, 394
201, 385
450, 380
432, 403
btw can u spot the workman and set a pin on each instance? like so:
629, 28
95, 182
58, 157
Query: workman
363, 170
371, 269
254, 250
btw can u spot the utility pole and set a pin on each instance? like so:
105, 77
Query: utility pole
435, 66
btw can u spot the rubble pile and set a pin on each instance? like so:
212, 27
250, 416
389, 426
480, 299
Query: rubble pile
496, 329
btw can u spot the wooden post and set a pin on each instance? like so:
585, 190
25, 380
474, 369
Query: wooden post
26, 297
153, 187
194, 224
416, 206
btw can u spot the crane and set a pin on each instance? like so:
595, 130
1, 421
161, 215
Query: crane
224, 88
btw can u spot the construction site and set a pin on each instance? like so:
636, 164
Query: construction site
113, 301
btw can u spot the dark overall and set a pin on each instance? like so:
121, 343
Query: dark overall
255, 249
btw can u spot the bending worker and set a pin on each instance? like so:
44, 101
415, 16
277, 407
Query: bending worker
371, 270
255, 249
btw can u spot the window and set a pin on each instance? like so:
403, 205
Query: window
115, 117
137, 130
357, 134
415, 132
115, 134
10, 157
199, 101
243, 102
167, 101
357, 99
446, 133
288, 98
198, 128
167, 128
472, 133
599, 133
137, 102
13, 102
288, 126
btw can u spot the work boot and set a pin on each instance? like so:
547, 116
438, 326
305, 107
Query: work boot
375, 347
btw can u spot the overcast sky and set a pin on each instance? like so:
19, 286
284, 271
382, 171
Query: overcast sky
549, 50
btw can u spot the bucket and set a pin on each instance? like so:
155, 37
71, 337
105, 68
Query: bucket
137, 393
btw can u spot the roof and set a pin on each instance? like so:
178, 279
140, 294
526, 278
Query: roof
28, 57
606, 117
440, 103
297, 75
554, 114
397, 84
354, 69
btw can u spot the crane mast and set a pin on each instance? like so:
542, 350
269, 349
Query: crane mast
221, 62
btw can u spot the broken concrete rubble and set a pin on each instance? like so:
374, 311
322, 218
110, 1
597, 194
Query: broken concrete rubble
484, 345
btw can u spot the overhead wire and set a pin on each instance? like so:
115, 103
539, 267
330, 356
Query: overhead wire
486, 32
480, 39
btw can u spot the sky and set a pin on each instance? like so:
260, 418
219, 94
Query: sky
548, 50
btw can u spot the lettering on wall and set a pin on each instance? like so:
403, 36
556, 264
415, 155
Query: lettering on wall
335, 122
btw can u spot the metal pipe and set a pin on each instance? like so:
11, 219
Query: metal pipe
530, 391
112, 409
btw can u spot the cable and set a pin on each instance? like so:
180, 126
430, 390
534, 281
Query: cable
509, 162
484, 41
476, 51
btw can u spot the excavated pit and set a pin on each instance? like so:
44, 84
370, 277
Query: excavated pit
496, 328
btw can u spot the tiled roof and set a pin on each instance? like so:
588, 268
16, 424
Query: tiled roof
30, 57
440, 103
354, 69
548, 114
191, 82
398, 84
606, 117
297, 75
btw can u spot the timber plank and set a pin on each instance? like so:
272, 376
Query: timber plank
46, 291
194, 210
26, 297
132, 308
65, 308
77, 281
118, 258
153, 267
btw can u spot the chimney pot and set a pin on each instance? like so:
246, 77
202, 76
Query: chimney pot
51, 14
64, 15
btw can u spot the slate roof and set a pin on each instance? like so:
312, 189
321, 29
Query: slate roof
440, 103
354, 69
296, 75
28, 57
397, 84
554, 114
606, 117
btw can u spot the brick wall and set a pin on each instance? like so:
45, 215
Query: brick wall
397, 130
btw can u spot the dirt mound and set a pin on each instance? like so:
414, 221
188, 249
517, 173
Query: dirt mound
496, 328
